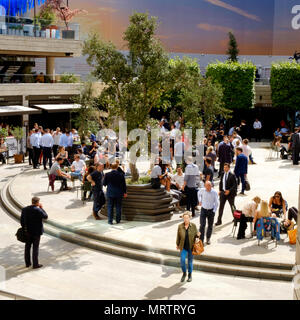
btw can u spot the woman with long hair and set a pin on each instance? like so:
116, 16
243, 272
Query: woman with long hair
277, 205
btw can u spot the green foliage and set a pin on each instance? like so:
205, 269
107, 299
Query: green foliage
285, 85
3, 133
197, 99
233, 50
141, 180
18, 133
134, 84
69, 78
88, 116
237, 81
46, 17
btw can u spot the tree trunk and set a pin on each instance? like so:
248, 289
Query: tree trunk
134, 172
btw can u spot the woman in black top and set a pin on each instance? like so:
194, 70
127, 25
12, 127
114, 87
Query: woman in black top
278, 205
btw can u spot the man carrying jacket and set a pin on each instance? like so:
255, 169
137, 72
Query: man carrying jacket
32, 221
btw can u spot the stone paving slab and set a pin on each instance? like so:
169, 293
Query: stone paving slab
265, 178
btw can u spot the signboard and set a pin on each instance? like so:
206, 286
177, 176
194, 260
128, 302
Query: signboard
262, 27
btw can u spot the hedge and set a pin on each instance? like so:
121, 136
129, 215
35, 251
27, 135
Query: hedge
285, 85
237, 81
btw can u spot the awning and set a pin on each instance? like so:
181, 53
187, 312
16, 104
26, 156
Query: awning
51, 108
16, 110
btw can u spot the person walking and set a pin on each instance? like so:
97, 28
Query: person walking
96, 180
241, 168
189, 186
29, 148
209, 202
224, 154
47, 144
32, 220
116, 190
187, 234
227, 191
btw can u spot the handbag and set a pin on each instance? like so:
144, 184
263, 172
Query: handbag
247, 185
237, 214
22, 235
293, 236
198, 248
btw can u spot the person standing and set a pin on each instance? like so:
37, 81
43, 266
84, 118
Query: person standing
227, 191
190, 178
56, 138
35, 142
47, 144
257, 130
30, 148
224, 154
116, 190
295, 139
187, 234
178, 150
209, 202
96, 180
241, 168
32, 221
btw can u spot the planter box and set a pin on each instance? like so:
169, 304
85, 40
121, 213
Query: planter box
19, 158
68, 34
145, 204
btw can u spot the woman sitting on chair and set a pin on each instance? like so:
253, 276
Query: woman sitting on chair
262, 213
62, 153
277, 205
250, 208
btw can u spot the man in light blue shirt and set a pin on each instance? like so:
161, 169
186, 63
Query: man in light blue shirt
209, 202
47, 144
66, 140
35, 142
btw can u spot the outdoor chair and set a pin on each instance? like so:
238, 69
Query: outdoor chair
236, 225
274, 152
51, 180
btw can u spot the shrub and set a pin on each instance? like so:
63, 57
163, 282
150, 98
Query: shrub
237, 81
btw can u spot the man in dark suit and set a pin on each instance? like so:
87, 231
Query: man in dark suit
227, 191
295, 139
224, 154
32, 221
241, 167
116, 189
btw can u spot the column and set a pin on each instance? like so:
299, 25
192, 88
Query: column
50, 68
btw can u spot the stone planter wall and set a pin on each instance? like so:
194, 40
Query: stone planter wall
145, 204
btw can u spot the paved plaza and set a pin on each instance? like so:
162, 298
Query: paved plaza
76, 272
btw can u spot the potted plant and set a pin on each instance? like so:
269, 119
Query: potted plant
18, 135
65, 14
3, 133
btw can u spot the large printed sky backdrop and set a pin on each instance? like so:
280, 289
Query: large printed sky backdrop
262, 27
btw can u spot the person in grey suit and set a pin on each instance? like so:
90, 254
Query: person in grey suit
32, 221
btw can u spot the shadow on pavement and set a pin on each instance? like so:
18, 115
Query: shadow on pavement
53, 254
162, 292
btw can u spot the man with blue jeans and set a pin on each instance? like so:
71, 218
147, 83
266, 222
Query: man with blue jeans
241, 168
116, 189
186, 235
209, 202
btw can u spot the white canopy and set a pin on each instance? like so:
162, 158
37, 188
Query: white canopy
16, 110
51, 108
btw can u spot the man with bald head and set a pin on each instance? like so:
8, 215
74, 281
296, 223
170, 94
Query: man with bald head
209, 202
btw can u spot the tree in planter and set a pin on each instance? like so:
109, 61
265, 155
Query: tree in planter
233, 50
46, 16
63, 12
133, 84
285, 86
18, 134
88, 116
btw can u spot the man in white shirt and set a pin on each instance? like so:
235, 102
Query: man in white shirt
47, 144
35, 142
209, 201
247, 151
178, 123
78, 167
56, 138
178, 150
257, 130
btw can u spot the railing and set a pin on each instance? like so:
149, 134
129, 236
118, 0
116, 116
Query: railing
39, 28
39, 78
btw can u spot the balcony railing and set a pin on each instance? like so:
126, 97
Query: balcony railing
39, 78
27, 27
